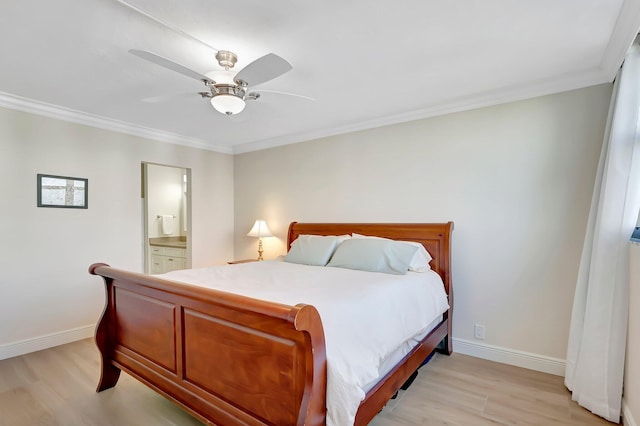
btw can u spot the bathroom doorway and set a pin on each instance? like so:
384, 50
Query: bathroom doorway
166, 205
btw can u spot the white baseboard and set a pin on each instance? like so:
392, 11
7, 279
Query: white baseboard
47, 341
528, 360
627, 417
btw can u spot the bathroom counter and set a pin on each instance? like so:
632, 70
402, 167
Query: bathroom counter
174, 242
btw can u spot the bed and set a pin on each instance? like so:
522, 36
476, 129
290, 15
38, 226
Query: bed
204, 349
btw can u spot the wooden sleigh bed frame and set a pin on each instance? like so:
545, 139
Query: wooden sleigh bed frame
232, 360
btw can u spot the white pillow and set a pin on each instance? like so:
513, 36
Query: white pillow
420, 260
315, 250
340, 238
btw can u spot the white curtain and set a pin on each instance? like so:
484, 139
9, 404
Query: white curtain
598, 333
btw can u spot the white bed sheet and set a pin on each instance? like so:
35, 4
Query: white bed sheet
401, 351
383, 312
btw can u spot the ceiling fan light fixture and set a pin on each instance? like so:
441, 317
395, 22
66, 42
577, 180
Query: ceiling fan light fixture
228, 104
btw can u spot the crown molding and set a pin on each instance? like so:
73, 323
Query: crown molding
481, 100
624, 33
499, 96
72, 116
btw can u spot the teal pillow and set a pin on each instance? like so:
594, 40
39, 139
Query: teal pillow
312, 250
374, 255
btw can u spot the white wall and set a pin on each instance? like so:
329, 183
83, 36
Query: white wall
45, 252
516, 179
631, 397
165, 196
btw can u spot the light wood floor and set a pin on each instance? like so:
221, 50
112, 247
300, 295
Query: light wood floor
57, 387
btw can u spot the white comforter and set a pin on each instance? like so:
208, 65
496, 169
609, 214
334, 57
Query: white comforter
365, 315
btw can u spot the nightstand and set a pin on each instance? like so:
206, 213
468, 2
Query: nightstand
233, 262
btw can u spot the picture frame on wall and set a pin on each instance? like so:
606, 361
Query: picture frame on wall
62, 192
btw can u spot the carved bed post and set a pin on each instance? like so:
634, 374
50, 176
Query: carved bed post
109, 374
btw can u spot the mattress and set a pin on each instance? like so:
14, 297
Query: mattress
385, 315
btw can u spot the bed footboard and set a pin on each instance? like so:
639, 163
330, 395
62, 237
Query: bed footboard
225, 358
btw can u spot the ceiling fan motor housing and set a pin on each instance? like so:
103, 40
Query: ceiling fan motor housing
228, 89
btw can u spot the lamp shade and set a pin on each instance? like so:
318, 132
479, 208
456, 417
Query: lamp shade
259, 230
228, 104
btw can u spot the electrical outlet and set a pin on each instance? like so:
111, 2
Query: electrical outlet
479, 331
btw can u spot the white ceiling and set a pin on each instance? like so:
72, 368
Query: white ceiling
367, 63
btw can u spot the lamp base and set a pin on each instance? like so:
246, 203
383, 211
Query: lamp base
260, 251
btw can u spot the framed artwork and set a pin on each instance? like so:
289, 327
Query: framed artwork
63, 192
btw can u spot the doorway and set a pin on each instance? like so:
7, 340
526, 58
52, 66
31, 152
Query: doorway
166, 213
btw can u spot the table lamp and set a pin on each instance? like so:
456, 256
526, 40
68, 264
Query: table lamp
259, 230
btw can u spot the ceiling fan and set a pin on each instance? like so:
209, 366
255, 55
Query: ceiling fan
228, 93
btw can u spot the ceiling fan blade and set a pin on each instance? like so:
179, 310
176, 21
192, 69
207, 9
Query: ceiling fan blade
263, 69
169, 64
164, 23
286, 93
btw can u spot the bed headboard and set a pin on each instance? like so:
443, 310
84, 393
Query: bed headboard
435, 237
